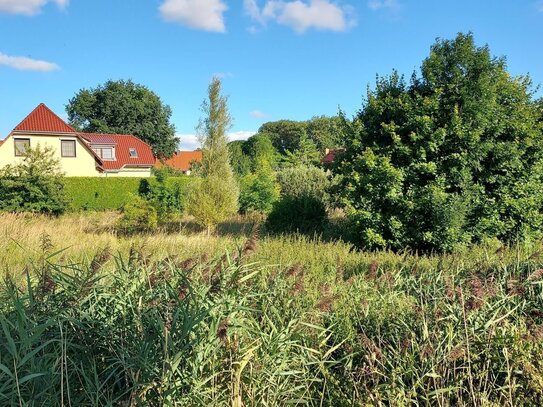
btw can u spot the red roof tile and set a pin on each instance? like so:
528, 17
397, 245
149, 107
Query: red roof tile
98, 138
182, 160
123, 143
43, 120
330, 156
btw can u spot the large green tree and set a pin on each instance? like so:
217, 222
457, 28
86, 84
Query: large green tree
125, 107
214, 194
451, 158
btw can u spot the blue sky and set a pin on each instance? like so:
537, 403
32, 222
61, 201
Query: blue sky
279, 59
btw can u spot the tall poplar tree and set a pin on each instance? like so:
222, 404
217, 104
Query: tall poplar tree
214, 195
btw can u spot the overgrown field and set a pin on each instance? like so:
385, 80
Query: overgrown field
89, 318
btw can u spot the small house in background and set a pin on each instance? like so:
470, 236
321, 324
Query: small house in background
79, 154
330, 155
183, 160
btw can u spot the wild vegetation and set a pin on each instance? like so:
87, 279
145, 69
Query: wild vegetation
181, 319
179, 300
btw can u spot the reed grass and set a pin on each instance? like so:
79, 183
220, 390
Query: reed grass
179, 319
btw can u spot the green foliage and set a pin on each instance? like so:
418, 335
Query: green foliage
240, 161
35, 184
166, 194
453, 158
125, 107
253, 155
306, 153
325, 132
213, 197
283, 319
304, 214
100, 193
139, 215
112, 193
285, 135
288, 135
262, 153
212, 200
258, 192
304, 180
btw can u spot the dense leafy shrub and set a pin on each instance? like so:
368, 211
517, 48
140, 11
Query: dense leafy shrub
304, 180
258, 192
36, 184
139, 215
166, 194
453, 158
304, 214
111, 193
100, 193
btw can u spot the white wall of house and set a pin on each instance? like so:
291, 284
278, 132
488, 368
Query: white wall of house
83, 164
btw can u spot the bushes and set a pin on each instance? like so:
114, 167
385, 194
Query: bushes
100, 193
258, 192
303, 214
166, 194
139, 215
111, 193
33, 185
302, 208
304, 180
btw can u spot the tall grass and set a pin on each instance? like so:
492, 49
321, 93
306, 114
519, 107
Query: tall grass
272, 322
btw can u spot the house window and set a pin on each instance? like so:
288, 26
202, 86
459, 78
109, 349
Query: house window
67, 148
104, 153
21, 146
133, 153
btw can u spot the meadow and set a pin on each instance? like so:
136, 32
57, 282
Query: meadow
92, 318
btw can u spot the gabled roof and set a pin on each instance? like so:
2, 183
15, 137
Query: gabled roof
182, 160
43, 120
123, 143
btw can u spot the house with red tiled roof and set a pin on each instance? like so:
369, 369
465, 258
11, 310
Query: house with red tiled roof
80, 154
182, 161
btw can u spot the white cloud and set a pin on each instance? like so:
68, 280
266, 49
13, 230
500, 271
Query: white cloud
302, 15
207, 15
257, 114
240, 135
27, 64
189, 142
27, 7
392, 5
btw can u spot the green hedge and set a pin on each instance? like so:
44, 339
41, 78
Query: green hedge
97, 193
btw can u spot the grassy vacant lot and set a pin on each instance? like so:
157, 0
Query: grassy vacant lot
178, 318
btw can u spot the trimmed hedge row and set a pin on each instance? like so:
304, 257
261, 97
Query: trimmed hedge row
100, 194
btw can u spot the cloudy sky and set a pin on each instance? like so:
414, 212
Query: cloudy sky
289, 59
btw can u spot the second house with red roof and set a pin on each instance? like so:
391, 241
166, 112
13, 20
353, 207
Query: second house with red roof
80, 154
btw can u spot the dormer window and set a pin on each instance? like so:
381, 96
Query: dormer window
105, 153
133, 152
